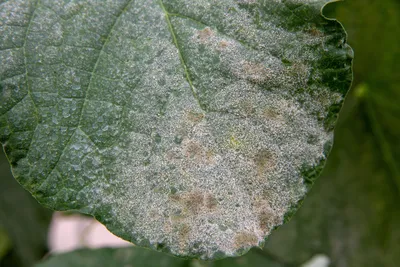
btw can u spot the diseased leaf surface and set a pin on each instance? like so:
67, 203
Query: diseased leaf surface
186, 126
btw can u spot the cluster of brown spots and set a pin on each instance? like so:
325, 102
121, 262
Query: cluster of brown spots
205, 34
265, 161
195, 202
245, 239
255, 72
195, 117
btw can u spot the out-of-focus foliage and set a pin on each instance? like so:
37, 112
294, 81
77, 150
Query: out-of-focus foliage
23, 222
134, 256
5, 243
352, 212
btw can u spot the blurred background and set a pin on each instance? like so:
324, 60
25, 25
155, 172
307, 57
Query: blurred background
350, 218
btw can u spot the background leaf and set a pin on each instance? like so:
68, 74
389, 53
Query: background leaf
135, 256
23, 221
5, 243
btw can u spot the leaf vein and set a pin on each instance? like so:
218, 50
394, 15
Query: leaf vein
184, 65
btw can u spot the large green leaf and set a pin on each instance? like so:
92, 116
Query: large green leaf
191, 127
352, 213
23, 222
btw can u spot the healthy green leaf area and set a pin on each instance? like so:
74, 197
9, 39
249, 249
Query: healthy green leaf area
190, 127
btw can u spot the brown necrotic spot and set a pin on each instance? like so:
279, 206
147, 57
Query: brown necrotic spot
196, 153
205, 33
223, 44
265, 161
193, 202
183, 231
267, 218
210, 202
271, 113
245, 239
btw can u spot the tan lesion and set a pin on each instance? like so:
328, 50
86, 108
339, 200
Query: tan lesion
193, 150
182, 233
245, 240
205, 34
265, 162
271, 114
267, 217
194, 117
254, 72
223, 44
